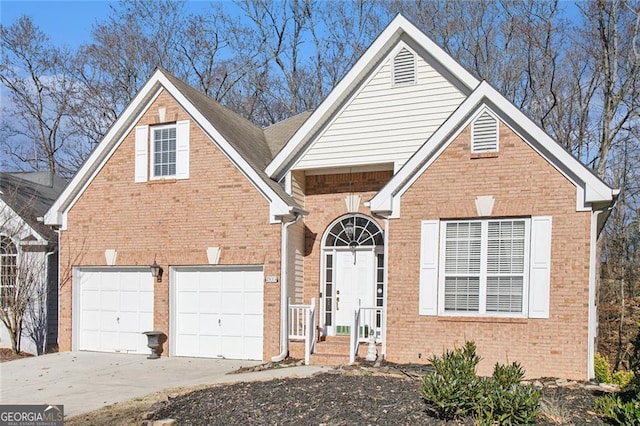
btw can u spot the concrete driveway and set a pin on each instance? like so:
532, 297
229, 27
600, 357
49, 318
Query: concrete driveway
86, 381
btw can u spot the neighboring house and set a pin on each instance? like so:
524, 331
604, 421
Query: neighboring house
415, 206
29, 258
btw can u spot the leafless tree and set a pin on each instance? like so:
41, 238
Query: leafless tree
34, 125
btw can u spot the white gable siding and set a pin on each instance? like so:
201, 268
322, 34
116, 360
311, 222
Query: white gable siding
384, 123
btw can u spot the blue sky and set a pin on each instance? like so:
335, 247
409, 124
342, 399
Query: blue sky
69, 22
66, 22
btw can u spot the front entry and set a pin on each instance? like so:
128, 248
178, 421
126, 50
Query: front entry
353, 272
355, 286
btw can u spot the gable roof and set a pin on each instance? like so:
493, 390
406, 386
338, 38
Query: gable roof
398, 29
591, 190
29, 195
241, 141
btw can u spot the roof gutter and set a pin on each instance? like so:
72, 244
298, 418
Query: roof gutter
284, 289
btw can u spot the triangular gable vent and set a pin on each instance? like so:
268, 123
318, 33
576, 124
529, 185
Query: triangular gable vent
404, 67
484, 133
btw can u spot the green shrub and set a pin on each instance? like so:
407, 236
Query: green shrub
602, 369
504, 400
455, 391
618, 411
450, 390
622, 378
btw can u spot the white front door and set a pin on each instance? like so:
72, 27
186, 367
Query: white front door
354, 286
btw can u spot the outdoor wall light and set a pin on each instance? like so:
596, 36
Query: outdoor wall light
156, 271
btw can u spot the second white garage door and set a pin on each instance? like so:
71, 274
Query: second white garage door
218, 312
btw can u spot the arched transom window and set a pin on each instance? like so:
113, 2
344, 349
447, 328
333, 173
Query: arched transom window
354, 231
8, 270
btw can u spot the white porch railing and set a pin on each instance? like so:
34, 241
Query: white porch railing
367, 323
302, 326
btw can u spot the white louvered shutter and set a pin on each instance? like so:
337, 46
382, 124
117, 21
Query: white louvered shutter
428, 295
540, 267
484, 133
404, 67
182, 149
141, 153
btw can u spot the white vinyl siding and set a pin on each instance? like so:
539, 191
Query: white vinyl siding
404, 68
485, 267
383, 123
484, 133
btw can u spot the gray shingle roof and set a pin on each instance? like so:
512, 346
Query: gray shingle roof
246, 138
30, 195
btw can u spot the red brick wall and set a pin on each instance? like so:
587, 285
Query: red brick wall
174, 219
523, 184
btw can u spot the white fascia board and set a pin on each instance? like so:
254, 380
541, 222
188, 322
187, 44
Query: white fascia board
594, 189
16, 228
56, 215
391, 34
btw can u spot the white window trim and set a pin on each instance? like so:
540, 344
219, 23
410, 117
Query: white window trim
152, 151
483, 274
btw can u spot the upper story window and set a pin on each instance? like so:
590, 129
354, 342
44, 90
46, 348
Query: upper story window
8, 271
404, 68
484, 133
164, 151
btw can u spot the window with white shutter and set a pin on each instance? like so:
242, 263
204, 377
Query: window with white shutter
484, 133
404, 68
485, 267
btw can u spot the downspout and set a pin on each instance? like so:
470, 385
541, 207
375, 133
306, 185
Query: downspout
284, 290
593, 314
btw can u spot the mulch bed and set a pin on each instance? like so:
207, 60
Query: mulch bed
348, 396
6, 354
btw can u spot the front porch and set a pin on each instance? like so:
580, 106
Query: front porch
308, 340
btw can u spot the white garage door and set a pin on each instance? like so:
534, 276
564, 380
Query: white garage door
115, 306
218, 312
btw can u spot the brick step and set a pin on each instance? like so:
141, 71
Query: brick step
328, 359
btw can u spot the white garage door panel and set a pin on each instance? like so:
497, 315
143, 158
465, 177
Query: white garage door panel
115, 307
219, 312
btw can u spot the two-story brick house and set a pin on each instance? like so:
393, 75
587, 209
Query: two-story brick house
415, 207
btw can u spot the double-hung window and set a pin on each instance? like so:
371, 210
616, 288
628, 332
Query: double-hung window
164, 151
484, 267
